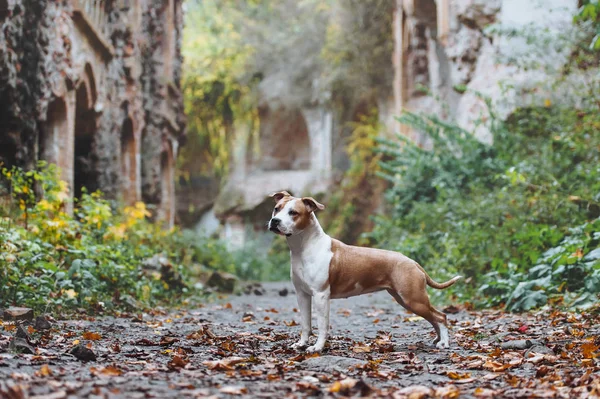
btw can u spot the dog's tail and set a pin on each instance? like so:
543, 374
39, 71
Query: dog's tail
434, 284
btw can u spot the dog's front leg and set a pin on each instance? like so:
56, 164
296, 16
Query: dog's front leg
304, 303
322, 309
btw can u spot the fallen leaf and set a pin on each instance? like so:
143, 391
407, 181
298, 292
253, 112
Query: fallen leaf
361, 348
455, 375
234, 390
177, 363
485, 393
447, 392
109, 371
224, 364
414, 392
588, 350
342, 385
44, 371
92, 336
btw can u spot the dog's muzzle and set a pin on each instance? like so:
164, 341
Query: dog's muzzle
274, 227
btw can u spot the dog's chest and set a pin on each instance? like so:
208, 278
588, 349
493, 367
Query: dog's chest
310, 267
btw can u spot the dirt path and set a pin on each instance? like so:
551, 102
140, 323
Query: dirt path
240, 346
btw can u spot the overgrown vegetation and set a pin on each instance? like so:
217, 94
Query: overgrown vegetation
519, 217
98, 257
349, 207
239, 54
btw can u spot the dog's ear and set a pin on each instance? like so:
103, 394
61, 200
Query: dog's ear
278, 196
312, 205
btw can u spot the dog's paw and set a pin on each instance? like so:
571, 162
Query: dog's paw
299, 345
442, 345
314, 349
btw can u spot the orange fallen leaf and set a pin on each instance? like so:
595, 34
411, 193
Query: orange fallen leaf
345, 384
177, 362
588, 350
92, 336
485, 393
109, 371
44, 371
290, 323
447, 392
455, 375
361, 348
224, 364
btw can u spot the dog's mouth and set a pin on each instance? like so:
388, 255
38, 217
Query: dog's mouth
278, 232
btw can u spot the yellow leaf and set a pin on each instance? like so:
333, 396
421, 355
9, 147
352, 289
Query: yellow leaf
91, 336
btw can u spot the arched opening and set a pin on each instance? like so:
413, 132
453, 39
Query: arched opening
284, 142
168, 41
85, 128
54, 134
129, 163
167, 203
420, 31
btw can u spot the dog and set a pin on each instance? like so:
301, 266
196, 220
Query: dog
323, 268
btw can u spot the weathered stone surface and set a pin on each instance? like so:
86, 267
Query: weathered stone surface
82, 353
41, 323
95, 88
18, 313
330, 363
477, 14
223, 282
20, 345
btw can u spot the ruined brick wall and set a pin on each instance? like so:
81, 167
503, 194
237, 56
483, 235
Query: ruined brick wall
160, 93
33, 53
120, 70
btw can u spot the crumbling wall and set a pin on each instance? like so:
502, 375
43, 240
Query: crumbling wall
104, 75
158, 95
33, 56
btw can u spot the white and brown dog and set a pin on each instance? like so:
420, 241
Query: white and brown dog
324, 268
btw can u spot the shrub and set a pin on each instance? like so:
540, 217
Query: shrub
497, 212
98, 257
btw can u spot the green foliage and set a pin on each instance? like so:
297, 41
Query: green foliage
590, 12
298, 52
568, 273
358, 49
216, 98
93, 259
496, 212
349, 207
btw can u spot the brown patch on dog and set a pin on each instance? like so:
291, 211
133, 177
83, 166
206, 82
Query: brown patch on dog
303, 216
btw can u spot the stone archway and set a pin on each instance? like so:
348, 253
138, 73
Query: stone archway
419, 29
283, 142
129, 163
167, 184
54, 134
85, 130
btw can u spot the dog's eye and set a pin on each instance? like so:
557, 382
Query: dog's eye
293, 213
277, 209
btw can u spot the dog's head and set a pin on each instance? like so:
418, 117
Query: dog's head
292, 215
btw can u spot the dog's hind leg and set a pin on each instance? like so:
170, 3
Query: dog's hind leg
423, 308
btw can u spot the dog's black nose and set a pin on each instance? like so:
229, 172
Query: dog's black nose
275, 222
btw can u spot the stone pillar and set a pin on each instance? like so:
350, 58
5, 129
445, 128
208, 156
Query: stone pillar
443, 20
397, 57
320, 124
